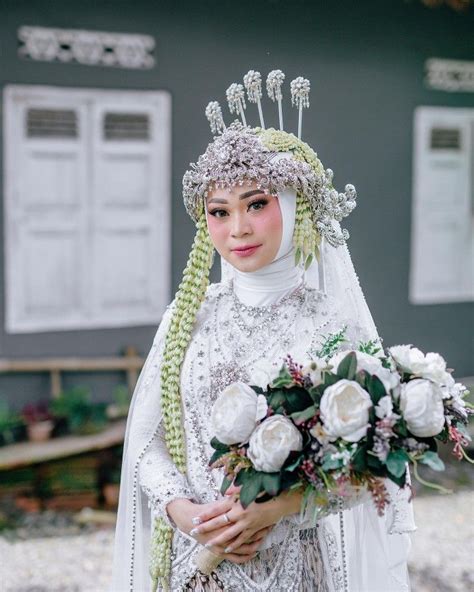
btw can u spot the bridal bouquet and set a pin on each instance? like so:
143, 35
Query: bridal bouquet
339, 424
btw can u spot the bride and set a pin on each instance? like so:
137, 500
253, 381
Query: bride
262, 199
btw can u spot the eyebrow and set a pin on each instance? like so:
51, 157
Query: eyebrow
241, 196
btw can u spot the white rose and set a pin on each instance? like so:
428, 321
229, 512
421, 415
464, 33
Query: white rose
271, 443
421, 403
372, 365
236, 412
345, 410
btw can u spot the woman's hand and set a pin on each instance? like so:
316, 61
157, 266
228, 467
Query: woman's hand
182, 511
244, 524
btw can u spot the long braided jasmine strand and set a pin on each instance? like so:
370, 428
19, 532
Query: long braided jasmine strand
306, 237
190, 294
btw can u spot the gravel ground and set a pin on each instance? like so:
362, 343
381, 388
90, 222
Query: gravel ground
441, 555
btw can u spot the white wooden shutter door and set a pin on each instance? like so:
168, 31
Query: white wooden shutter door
130, 214
45, 212
442, 250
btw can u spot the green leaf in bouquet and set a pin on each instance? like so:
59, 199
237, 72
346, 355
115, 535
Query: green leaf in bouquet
259, 390
216, 456
294, 462
375, 464
276, 398
271, 483
331, 344
359, 460
297, 399
396, 462
432, 459
283, 379
242, 476
348, 366
226, 483
400, 428
330, 379
302, 416
251, 488
375, 388
330, 463
218, 445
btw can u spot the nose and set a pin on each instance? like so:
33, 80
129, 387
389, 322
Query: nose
240, 225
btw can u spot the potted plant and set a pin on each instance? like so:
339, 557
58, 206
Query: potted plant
12, 426
119, 409
39, 421
82, 416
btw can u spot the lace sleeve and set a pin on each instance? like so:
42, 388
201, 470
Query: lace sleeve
160, 479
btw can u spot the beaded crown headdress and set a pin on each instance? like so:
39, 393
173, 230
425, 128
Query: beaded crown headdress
240, 154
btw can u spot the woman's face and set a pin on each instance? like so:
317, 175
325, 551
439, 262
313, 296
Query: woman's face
245, 226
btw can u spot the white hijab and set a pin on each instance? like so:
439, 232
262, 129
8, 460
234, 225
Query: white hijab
280, 277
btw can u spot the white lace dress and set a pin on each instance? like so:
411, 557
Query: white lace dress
232, 342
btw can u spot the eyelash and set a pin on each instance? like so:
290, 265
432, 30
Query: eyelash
262, 201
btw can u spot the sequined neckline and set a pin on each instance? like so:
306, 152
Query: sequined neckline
298, 294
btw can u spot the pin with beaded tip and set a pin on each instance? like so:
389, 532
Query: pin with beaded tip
214, 115
274, 82
253, 84
236, 99
300, 97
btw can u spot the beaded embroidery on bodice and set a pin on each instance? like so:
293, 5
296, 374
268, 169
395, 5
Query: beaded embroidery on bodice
232, 341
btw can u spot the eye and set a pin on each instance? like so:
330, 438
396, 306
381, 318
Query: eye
259, 204
217, 213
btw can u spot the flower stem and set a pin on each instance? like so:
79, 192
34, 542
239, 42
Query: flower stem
466, 456
428, 483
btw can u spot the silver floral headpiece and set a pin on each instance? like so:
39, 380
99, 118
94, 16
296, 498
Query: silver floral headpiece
240, 154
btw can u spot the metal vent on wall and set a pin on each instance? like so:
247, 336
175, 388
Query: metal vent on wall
126, 126
445, 139
51, 123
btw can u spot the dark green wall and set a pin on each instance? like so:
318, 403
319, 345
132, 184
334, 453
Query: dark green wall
365, 61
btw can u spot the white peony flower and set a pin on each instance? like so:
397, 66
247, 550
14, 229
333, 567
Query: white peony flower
345, 410
413, 361
236, 412
264, 373
421, 403
272, 441
372, 365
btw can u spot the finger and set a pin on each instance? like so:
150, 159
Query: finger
241, 540
230, 533
214, 509
246, 549
211, 524
263, 532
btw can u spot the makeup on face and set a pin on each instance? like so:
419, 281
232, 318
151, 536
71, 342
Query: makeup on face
247, 230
